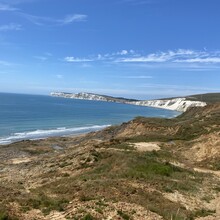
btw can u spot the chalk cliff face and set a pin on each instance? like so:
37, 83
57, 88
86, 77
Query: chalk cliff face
177, 104
81, 95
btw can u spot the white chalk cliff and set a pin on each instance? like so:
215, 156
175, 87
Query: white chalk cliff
176, 104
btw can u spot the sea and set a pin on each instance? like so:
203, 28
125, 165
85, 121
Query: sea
24, 117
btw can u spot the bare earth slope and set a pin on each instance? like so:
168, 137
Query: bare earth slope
147, 168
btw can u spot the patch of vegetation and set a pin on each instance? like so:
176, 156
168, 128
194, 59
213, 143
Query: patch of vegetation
216, 165
84, 198
209, 97
123, 215
36, 151
217, 188
123, 146
101, 203
149, 138
46, 204
203, 213
96, 155
190, 131
88, 217
65, 175
4, 216
99, 210
207, 198
148, 166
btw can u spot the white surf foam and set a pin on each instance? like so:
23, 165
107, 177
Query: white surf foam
39, 134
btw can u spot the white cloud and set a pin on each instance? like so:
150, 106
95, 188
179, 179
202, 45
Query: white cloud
137, 77
180, 58
40, 20
108, 57
177, 56
123, 52
157, 57
4, 7
11, 27
149, 58
99, 57
74, 18
200, 60
76, 60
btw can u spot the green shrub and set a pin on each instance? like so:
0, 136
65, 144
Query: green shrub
123, 215
88, 217
3, 216
47, 204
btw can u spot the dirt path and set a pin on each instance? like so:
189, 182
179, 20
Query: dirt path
201, 170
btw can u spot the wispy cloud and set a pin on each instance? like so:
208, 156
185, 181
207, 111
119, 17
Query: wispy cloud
77, 60
137, 77
200, 60
48, 21
11, 27
178, 56
100, 57
73, 18
193, 60
5, 7
159, 56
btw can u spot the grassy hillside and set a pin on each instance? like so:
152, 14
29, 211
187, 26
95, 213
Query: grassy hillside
209, 97
147, 168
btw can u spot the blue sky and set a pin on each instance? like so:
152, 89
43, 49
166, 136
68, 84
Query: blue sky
132, 48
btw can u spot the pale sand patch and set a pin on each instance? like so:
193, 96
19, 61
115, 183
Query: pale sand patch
149, 146
201, 170
189, 202
20, 160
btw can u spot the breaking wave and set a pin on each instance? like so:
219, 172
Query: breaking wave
40, 134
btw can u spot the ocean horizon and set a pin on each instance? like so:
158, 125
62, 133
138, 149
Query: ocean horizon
29, 117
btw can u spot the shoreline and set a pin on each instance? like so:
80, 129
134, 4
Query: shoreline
68, 132
61, 133
36, 122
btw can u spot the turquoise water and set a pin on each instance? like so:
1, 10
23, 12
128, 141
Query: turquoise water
32, 117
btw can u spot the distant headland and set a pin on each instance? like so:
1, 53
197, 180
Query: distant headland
177, 104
